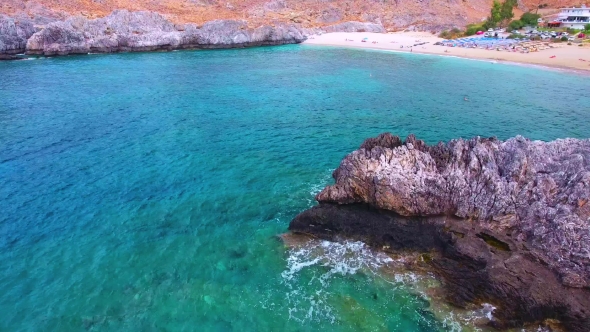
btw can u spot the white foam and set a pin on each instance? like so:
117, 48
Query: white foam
326, 260
488, 310
320, 262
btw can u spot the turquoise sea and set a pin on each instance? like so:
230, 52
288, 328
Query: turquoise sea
145, 192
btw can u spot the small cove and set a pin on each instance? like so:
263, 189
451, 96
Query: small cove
145, 191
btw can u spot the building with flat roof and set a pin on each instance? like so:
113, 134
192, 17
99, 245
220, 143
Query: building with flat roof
575, 18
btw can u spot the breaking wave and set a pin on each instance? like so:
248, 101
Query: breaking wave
328, 259
313, 267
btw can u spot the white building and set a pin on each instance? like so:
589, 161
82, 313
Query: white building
575, 18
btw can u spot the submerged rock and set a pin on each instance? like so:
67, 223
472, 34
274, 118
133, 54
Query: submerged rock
510, 219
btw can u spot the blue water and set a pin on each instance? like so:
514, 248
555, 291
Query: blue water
144, 192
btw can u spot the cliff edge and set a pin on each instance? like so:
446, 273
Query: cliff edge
508, 221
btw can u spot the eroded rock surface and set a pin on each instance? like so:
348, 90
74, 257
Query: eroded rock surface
124, 31
14, 33
510, 219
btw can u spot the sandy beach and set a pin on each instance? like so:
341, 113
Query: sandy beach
562, 56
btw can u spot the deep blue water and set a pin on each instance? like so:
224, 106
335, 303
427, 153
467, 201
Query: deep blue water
143, 192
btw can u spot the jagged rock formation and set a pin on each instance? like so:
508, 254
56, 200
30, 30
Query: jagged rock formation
14, 34
124, 31
509, 220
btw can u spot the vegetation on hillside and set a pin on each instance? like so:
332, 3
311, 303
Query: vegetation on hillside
501, 13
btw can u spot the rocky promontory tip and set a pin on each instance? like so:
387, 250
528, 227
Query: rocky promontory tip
509, 220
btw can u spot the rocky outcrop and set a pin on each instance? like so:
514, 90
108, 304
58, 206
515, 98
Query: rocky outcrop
125, 31
14, 33
508, 221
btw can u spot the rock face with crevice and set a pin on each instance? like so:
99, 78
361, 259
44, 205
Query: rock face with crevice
125, 31
14, 33
509, 220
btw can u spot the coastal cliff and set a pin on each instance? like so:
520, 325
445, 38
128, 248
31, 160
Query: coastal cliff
14, 34
124, 31
501, 222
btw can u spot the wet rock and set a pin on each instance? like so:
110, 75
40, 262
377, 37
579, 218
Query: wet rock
510, 218
7, 57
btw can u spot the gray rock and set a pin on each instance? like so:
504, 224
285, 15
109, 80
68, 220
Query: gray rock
14, 34
125, 31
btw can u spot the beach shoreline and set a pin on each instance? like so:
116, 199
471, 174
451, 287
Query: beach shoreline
566, 57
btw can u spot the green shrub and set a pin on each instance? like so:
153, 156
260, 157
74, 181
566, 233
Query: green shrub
444, 34
516, 25
472, 29
513, 36
530, 19
564, 38
587, 27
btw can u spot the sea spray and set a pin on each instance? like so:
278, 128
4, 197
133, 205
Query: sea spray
324, 260
318, 263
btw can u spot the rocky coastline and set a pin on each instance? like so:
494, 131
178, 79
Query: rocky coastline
500, 222
125, 31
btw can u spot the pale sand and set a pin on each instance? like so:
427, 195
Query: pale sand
566, 57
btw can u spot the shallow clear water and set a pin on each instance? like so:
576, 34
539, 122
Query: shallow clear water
144, 192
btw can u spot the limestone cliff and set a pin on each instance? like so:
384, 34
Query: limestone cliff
14, 34
125, 31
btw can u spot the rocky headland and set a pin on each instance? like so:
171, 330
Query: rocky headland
500, 222
125, 31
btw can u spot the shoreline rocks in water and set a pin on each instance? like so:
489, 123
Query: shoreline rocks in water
125, 31
508, 220
14, 34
